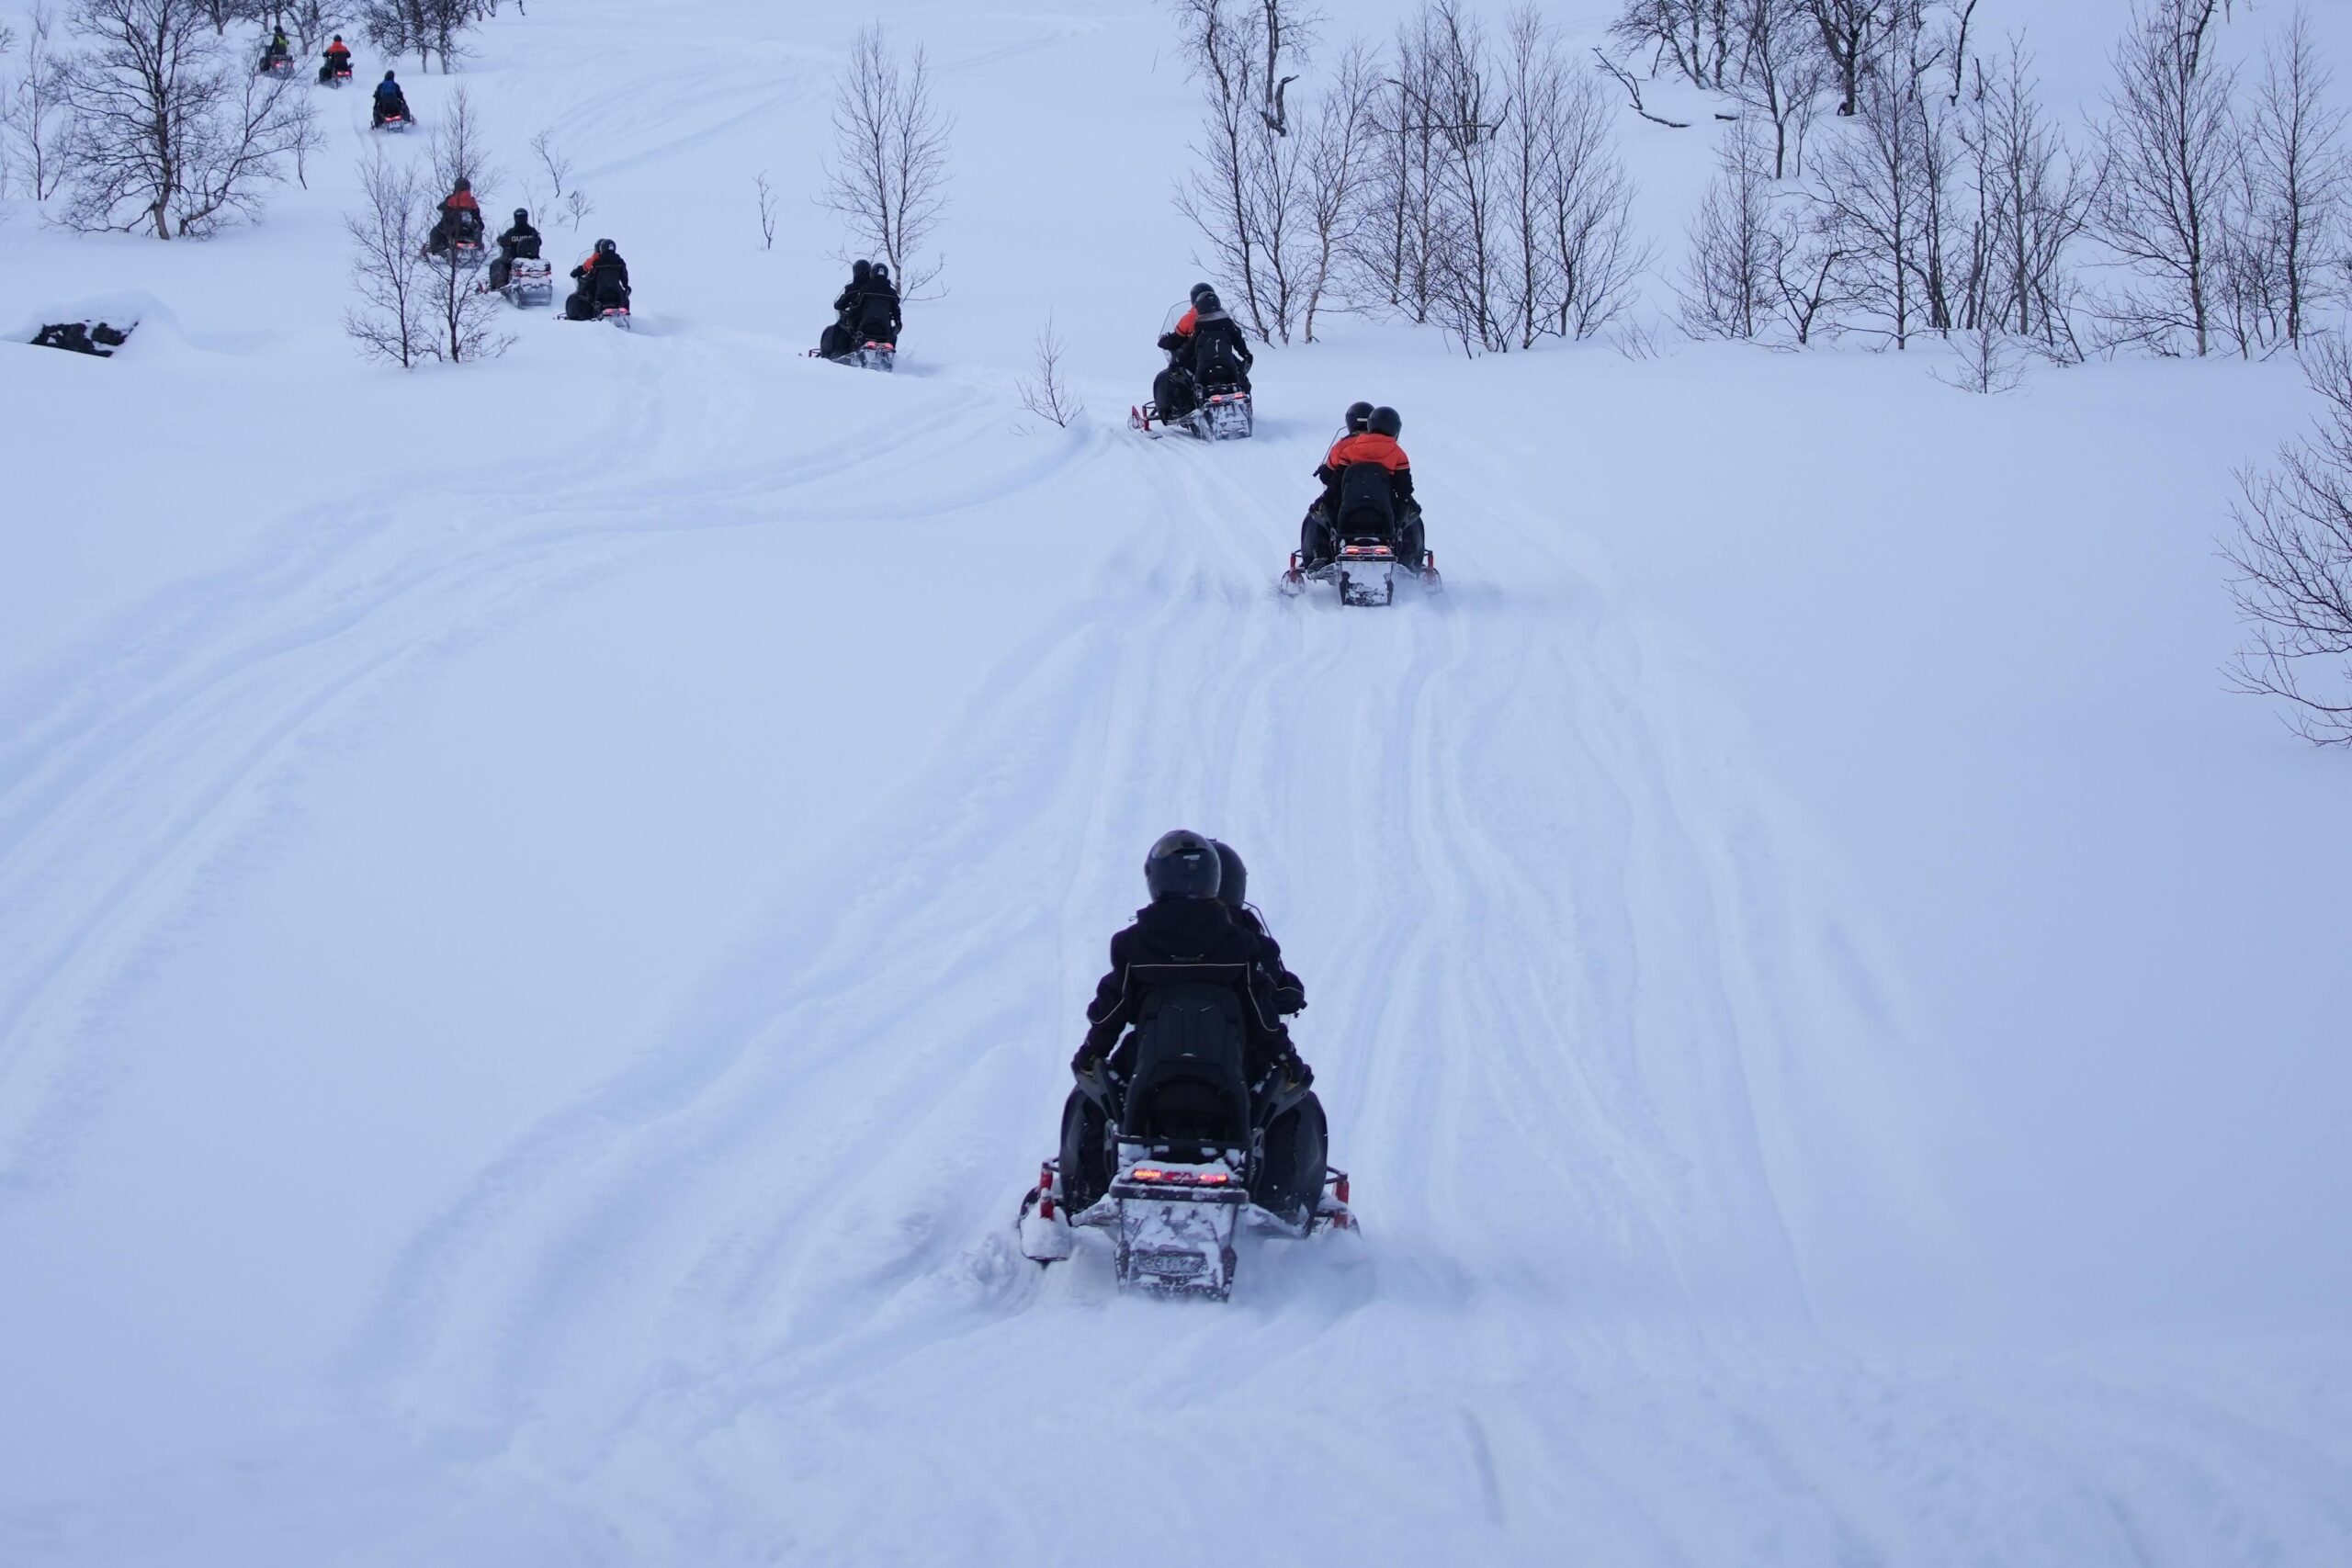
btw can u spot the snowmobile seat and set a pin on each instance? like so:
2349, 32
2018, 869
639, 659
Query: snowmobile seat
1187, 1082
1367, 506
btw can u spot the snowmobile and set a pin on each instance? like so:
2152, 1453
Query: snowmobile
463, 246
872, 354
397, 121
1371, 548
276, 65
1208, 400
1221, 413
1177, 1155
337, 77
530, 282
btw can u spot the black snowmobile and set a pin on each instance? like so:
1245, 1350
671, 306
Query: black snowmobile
1367, 547
1175, 1152
1210, 399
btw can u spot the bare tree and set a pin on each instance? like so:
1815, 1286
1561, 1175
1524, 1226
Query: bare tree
1589, 202
461, 315
2164, 207
392, 320
1728, 287
1879, 188
313, 22
2034, 199
887, 174
766, 194
33, 126
1340, 161
1046, 395
1783, 73
458, 150
577, 206
1393, 250
1989, 362
1246, 192
167, 131
422, 27
2292, 560
2284, 257
1852, 32
1699, 36
1808, 264
557, 165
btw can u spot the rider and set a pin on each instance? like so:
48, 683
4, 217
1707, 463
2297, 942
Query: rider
391, 101
338, 61
1186, 923
460, 218
1374, 441
521, 240
604, 284
1232, 891
877, 320
849, 307
277, 49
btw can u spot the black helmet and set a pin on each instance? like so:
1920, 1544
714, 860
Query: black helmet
860, 267
1206, 301
387, 75
1359, 418
606, 247
338, 37
1233, 877
1200, 288
882, 270
464, 184
522, 215
1183, 865
1387, 422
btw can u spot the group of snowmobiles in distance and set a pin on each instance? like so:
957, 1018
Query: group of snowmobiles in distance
526, 278
1365, 527
1192, 1115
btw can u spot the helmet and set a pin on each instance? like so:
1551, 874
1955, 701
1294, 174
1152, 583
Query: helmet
882, 270
1233, 877
464, 184
1199, 288
1387, 422
522, 215
338, 37
1206, 301
387, 75
606, 247
1183, 865
1359, 418
860, 267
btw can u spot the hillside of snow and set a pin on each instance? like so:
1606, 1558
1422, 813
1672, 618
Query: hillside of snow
545, 905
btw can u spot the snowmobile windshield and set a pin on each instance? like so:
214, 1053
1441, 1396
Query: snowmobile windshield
1175, 314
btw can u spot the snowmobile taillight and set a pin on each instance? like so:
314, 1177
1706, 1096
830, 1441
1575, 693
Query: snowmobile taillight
1340, 1188
1183, 1177
1045, 1192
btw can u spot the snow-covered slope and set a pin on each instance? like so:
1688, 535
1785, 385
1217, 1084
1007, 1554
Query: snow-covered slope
543, 908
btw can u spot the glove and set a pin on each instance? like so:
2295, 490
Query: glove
1289, 1000
1087, 1060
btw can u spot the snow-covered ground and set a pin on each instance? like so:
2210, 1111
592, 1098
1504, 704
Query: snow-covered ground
544, 905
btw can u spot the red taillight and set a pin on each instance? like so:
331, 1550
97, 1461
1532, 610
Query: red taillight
1045, 1192
1182, 1177
1339, 1189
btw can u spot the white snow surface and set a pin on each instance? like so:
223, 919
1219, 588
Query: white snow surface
544, 905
